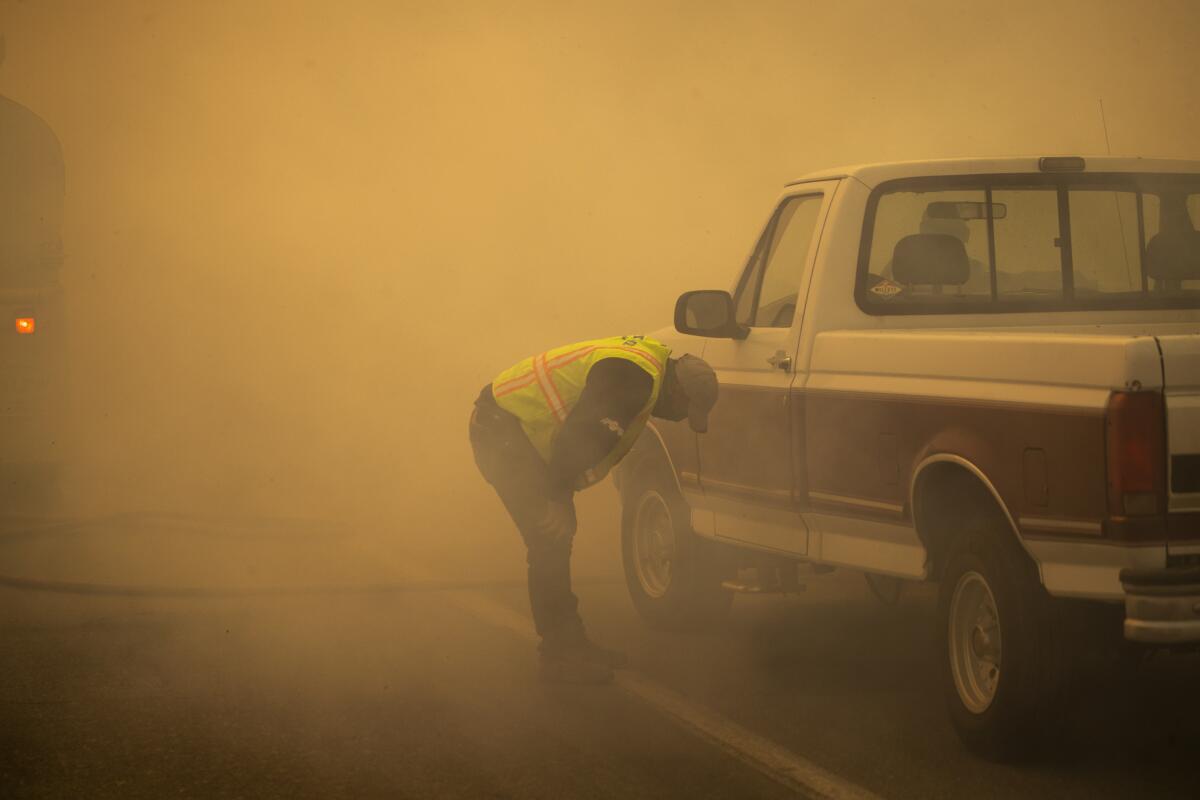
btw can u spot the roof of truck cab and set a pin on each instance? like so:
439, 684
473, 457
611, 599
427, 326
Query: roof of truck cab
874, 174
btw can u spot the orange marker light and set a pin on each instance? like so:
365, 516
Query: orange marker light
25, 324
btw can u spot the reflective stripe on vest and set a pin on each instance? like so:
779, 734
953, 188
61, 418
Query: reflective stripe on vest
541, 390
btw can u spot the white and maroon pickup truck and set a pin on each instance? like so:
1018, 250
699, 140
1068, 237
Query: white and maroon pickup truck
981, 372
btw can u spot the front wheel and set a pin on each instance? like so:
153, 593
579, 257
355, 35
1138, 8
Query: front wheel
999, 675
673, 576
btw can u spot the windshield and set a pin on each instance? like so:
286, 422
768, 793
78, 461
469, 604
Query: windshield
1032, 242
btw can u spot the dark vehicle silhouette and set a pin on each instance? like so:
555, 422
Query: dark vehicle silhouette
32, 192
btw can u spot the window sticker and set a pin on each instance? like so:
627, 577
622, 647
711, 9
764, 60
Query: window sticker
886, 288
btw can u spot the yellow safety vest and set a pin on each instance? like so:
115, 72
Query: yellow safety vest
541, 390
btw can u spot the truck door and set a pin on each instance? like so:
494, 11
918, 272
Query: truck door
746, 455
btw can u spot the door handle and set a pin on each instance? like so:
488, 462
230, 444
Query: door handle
780, 360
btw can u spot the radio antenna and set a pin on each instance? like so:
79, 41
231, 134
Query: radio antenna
1116, 200
1104, 124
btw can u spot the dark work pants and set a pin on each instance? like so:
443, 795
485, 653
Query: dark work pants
509, 462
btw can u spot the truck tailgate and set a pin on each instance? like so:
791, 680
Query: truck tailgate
1181, 380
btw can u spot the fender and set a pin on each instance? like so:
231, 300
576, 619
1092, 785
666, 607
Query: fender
646, 447
983, 479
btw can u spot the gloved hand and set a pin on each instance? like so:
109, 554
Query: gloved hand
557, 520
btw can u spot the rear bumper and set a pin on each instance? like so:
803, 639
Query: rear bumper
1162, 606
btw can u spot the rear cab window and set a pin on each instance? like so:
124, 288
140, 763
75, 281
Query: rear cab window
1006, 243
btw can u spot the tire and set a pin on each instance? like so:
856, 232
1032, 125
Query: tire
674, 576
999, 668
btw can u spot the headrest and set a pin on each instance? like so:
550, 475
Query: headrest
930, 258
1174, 256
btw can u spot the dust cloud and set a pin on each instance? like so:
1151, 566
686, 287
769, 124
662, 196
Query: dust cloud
299, 236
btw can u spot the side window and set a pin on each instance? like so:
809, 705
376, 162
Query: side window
767, 294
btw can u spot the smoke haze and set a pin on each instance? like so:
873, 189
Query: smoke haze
301, 235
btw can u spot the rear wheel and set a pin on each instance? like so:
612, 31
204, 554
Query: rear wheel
674, 576
999, 668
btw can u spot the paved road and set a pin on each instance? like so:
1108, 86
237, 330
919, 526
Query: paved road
419, 694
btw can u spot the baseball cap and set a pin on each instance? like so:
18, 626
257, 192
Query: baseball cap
699, 383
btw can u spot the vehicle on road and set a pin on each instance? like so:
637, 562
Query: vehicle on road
32, 193
981, 372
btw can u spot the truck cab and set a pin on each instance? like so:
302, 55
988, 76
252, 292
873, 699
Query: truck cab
979, 372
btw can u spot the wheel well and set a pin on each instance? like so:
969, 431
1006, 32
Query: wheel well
648, 455
945, 494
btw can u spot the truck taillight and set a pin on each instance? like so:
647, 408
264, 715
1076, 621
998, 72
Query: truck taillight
25, 324
1136, 451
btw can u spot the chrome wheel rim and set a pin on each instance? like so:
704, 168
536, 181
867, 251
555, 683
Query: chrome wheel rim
975, 647
653, 545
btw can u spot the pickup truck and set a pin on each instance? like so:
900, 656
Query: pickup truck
983, 373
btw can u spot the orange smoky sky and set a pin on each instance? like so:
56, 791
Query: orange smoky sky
300, 235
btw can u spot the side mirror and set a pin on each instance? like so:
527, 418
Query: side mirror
708, 312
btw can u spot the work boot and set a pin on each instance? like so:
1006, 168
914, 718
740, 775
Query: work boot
572, 667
